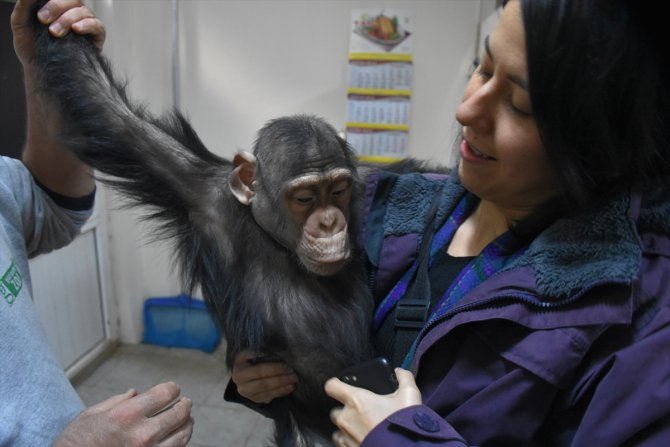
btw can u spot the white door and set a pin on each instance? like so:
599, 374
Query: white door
69, 292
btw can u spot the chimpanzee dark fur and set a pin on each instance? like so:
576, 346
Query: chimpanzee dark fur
261, 297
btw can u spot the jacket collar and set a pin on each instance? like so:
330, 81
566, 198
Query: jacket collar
598, 246
563, 263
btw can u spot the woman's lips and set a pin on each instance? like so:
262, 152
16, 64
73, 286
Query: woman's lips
470, 153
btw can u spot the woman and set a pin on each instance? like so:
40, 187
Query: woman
550, 257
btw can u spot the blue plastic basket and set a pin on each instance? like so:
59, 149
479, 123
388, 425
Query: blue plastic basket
180, 321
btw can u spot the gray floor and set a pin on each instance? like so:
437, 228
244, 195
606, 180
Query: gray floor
201, 376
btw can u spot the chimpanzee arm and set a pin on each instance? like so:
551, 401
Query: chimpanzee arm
158, 162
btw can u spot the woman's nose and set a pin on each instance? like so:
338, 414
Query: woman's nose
477, 108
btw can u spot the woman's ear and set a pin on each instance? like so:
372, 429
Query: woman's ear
242, 178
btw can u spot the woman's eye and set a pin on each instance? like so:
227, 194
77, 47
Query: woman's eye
518, 111
512, 108
483, 73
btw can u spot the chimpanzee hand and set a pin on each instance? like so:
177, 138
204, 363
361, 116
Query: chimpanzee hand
132, 419
262, 382
363, 409
62, 16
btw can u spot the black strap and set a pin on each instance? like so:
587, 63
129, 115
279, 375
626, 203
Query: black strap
412, 310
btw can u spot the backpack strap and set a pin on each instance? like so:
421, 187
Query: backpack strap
412, 310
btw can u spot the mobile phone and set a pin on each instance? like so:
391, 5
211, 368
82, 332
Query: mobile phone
375, 375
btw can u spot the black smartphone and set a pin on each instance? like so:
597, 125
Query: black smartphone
375, 375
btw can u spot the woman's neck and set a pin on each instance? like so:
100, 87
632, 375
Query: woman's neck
482, 226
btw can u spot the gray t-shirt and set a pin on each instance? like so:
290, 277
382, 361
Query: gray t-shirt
36, 399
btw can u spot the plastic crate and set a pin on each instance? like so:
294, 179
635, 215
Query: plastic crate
180, 321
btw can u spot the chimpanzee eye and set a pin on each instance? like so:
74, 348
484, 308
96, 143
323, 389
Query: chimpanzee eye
303, 200
339, 189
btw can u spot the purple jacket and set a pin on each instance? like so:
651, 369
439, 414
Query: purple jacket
568, 346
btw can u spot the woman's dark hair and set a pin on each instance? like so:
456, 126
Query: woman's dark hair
599, 92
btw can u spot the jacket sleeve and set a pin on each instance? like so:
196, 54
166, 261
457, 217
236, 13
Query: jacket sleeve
417, 425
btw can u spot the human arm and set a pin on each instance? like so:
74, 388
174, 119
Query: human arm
44, 154
133, 419
157, 161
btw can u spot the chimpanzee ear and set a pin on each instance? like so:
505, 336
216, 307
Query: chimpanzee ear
242, 178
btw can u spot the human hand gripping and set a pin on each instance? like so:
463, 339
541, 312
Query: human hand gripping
363, 409
62, 16
262, 382
44, 153
132, 419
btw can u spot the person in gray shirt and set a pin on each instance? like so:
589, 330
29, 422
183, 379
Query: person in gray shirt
44, 201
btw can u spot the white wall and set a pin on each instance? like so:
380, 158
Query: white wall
138, 43
243, 62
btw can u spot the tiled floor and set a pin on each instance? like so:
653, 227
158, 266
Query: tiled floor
201, 376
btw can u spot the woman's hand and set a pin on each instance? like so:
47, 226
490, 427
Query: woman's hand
363, 410
62, 16
263, 381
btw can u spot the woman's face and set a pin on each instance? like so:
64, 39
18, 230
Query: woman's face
502, 158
